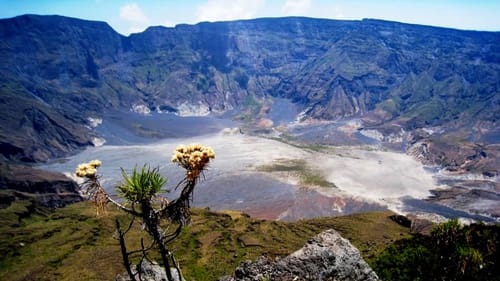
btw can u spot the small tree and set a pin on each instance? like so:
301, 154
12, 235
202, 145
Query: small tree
141, 193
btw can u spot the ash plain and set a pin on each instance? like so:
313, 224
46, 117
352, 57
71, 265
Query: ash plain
363, 175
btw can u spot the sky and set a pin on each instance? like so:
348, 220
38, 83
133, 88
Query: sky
132, 16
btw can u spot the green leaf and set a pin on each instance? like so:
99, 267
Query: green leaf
141, 185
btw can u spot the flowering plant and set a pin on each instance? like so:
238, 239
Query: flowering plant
140, 190
194, 158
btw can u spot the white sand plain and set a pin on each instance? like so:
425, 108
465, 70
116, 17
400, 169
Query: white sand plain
374, 176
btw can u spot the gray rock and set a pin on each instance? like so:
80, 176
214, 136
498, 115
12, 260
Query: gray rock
327, 256
150, 272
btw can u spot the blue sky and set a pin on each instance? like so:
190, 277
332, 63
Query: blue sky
134, 15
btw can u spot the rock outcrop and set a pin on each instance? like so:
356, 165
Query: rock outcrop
42, 188
328, 256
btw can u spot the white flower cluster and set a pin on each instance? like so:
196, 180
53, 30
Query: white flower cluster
88, 170
193, 157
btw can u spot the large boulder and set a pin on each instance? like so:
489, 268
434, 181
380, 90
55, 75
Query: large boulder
328, 256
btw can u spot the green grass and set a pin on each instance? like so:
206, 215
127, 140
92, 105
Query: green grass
251, 107
451, 252
72, 244
312, 147
143, 131
298, 168
391, 105
11, 215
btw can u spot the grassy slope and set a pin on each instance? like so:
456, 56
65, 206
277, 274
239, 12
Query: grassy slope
72, 244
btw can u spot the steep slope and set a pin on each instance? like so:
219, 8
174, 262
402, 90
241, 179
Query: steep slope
49, 76
58, 71
71, 243
36, 188
413, 73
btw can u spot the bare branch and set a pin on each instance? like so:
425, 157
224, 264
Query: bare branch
120, 206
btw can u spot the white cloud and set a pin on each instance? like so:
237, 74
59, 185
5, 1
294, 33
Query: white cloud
134, 18
296, 7
133, 13
218, 10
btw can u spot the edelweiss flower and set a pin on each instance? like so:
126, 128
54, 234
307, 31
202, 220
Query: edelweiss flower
193, 158
95, 163
88, 170
81, 170
91, 172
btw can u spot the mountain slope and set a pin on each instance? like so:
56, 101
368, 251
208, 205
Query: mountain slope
394, 76
71, 243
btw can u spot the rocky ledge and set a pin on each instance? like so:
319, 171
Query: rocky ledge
327, 256
43, 188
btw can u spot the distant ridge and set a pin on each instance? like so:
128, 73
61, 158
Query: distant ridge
58, 71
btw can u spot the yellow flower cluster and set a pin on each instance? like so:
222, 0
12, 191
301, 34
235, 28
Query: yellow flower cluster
88, 170
193, 157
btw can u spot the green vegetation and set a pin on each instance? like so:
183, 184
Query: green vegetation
73, 244
143, 131
391, 105
452, 252
298, 168
162, 220
142, 185
37, 248
314, 147
251, 107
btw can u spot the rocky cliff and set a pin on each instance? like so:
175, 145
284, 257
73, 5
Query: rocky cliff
326, 256
57, 72
41, 188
